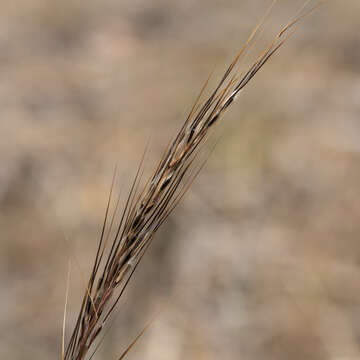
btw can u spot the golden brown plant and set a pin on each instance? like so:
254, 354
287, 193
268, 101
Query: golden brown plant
146, 209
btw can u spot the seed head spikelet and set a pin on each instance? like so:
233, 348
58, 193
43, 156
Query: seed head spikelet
147, 207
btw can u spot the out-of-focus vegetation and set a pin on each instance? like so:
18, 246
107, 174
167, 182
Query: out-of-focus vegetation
261, 260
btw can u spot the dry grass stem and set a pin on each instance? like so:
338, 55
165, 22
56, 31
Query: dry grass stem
146, 209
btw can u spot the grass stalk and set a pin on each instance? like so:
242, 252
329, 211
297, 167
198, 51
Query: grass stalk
147, 207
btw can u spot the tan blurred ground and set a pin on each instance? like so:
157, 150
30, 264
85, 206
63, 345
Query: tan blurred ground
261, 260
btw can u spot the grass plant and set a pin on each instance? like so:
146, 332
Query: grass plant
126, 235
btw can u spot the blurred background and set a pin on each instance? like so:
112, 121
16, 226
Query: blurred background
262, 258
